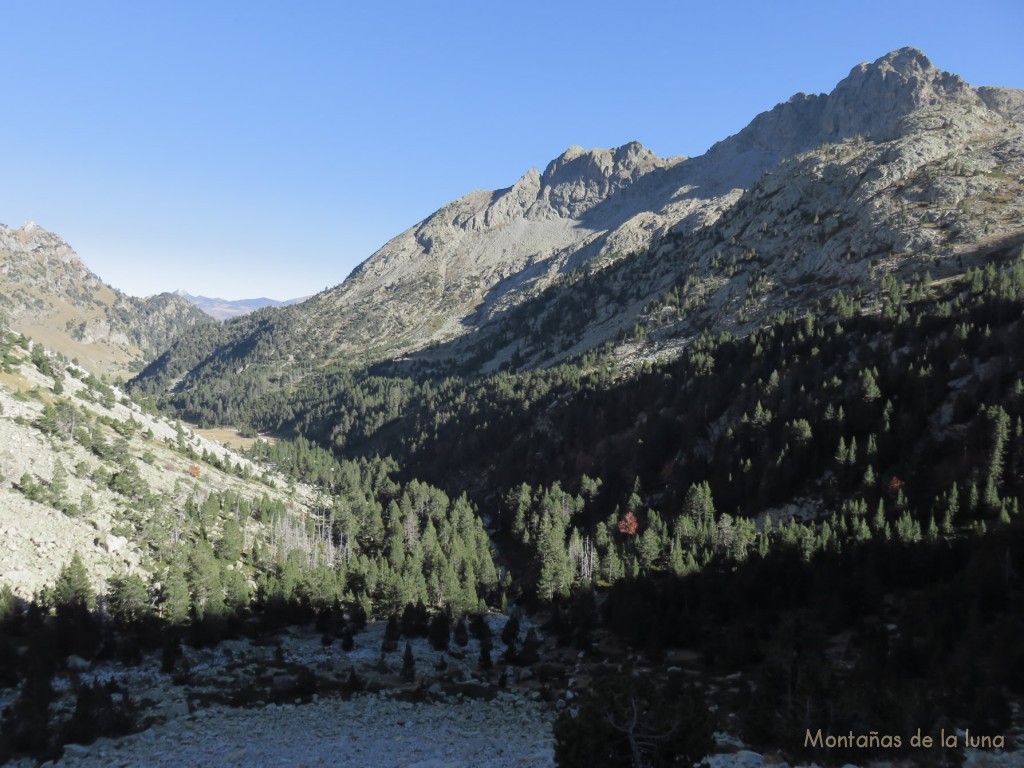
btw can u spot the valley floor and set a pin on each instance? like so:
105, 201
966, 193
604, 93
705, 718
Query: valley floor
458, 720
365, 731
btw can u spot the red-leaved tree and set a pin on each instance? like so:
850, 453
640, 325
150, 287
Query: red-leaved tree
628, 524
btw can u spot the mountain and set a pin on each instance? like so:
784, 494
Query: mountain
901, 168
222, 309
48, 293
737, 476
896, 119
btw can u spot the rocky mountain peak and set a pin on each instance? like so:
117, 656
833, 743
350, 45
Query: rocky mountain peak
873, 101
906, 62
578, 179
44, 248
874, 97
621, 161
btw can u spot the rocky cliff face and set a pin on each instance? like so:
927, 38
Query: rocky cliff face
47, 292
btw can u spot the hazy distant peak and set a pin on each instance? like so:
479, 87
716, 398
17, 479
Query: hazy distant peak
222, 309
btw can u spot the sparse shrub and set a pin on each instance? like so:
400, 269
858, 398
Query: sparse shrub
440, 631
625, 720
408, 664
461, 633
100, 710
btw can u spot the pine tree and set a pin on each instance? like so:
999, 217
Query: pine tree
408, 664
175, 598
88, 504
236, 590
648, 549
440, 631
677, 562
879, 522
128, 598
1000, 427
72, 589
869, 390
59, 486
204, 582
484, 661
27, 485
229, 547
841, 454
952, 508
555, 568
530, 652
510, 632
518, 501
461, 633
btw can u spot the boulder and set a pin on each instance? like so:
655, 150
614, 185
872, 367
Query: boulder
113, 543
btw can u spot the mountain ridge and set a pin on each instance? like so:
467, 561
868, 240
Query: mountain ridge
899, 157
47, 292
810, 378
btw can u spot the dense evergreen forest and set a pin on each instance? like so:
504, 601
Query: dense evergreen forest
829, 506
227, 565
857, 471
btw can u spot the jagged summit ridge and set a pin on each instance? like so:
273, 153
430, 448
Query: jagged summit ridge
899, 157
487, 251
577, 180
496, 234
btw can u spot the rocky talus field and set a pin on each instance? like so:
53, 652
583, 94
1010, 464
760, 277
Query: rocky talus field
242, 704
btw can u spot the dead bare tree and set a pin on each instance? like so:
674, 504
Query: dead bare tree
643, 740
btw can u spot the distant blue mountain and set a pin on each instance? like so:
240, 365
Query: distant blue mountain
222, 309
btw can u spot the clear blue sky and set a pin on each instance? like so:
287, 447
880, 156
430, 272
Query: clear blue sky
254, 148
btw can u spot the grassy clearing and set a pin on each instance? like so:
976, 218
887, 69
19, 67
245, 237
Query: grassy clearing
229, 437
